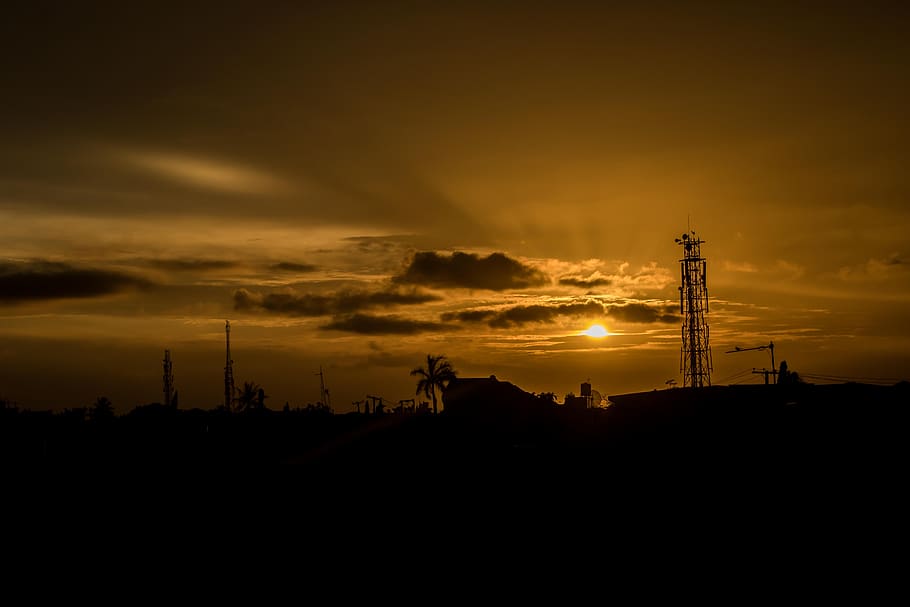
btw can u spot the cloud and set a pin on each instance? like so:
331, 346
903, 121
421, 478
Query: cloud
341, 302
644, 313
619, 275
44, 280
367, 324
790, 270
586, 283
739, 266
192, 265
205, 172
495, 272
517, 316
287, 266
469, 315
874, 269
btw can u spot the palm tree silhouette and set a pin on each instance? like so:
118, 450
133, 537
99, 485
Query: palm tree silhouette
436, 374
248, 397
102, 409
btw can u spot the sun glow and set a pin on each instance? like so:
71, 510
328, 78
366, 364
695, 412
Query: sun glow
595, 331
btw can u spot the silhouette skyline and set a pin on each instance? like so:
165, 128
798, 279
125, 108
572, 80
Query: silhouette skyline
356, 186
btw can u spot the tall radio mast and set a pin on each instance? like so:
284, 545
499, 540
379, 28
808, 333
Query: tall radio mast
695, 354
168, 379
228, 368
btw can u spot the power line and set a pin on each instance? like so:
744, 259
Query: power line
843, 378
736, 375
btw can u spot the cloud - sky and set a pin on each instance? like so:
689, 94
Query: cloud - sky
362, 183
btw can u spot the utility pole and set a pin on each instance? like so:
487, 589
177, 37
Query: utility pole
695, 354
168, 379
764, 372
228, 368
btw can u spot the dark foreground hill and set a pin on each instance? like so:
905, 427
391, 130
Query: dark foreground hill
744, 463
494, 424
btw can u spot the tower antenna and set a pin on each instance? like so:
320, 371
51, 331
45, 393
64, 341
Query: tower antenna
323, 391
168, 379
228, 368
695, 354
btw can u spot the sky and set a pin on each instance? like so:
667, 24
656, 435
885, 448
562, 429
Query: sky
355, 185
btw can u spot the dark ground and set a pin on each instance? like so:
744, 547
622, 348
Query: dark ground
791, 478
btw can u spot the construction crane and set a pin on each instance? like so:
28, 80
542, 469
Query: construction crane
764, 372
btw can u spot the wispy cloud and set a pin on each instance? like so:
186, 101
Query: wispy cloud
739, 266
206, 173
192, 265
341, 302
874, 269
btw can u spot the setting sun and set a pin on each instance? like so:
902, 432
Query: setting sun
595, 331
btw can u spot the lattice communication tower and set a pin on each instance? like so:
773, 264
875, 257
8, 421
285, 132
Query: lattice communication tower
695, 354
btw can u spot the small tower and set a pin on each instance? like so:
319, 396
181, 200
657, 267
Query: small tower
695, 354
228, 368
168, 379
586, 393
323, 391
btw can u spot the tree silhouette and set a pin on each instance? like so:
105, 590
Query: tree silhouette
103, 409
251, 396
435, 375
547, 397
786, 376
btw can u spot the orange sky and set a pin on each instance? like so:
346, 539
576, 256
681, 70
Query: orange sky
334, 179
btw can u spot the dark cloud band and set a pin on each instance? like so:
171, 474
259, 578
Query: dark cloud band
644, 313
42, 280
517, 316
495, 272
366, 324
585, 283
342, 302
287, 266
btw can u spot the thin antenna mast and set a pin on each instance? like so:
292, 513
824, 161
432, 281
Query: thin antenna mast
228, 368
168, 379
323, 391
